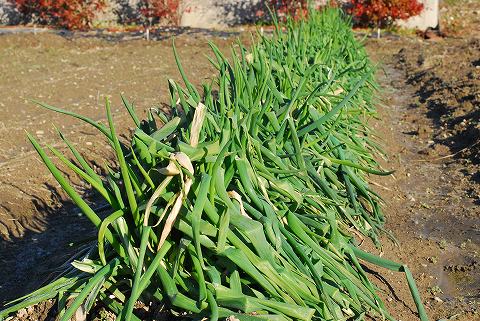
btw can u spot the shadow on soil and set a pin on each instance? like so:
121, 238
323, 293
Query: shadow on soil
51, 240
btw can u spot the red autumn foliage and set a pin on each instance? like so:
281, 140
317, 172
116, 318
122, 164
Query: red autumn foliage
168, 11
381, 13
296, 9
284, 8
69, 14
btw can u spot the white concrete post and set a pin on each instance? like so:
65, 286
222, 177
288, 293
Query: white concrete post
218, 13
429, 18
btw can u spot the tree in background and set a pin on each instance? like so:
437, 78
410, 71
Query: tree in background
168, 11
383, 13
293, 8
160, 11
68, 14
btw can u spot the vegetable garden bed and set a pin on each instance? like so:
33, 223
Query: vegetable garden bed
246, 201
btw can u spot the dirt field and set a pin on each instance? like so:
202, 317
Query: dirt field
429, 128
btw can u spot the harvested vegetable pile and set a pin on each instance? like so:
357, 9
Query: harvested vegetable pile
244, 201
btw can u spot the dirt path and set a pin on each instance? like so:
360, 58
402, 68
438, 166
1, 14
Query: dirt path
432, 201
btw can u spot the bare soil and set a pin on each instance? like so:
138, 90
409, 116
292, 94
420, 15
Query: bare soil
460, 18
432, 200
429, 129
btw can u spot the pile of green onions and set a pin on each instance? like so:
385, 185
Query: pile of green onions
245, 200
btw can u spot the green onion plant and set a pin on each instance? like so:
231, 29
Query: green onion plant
248, 199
